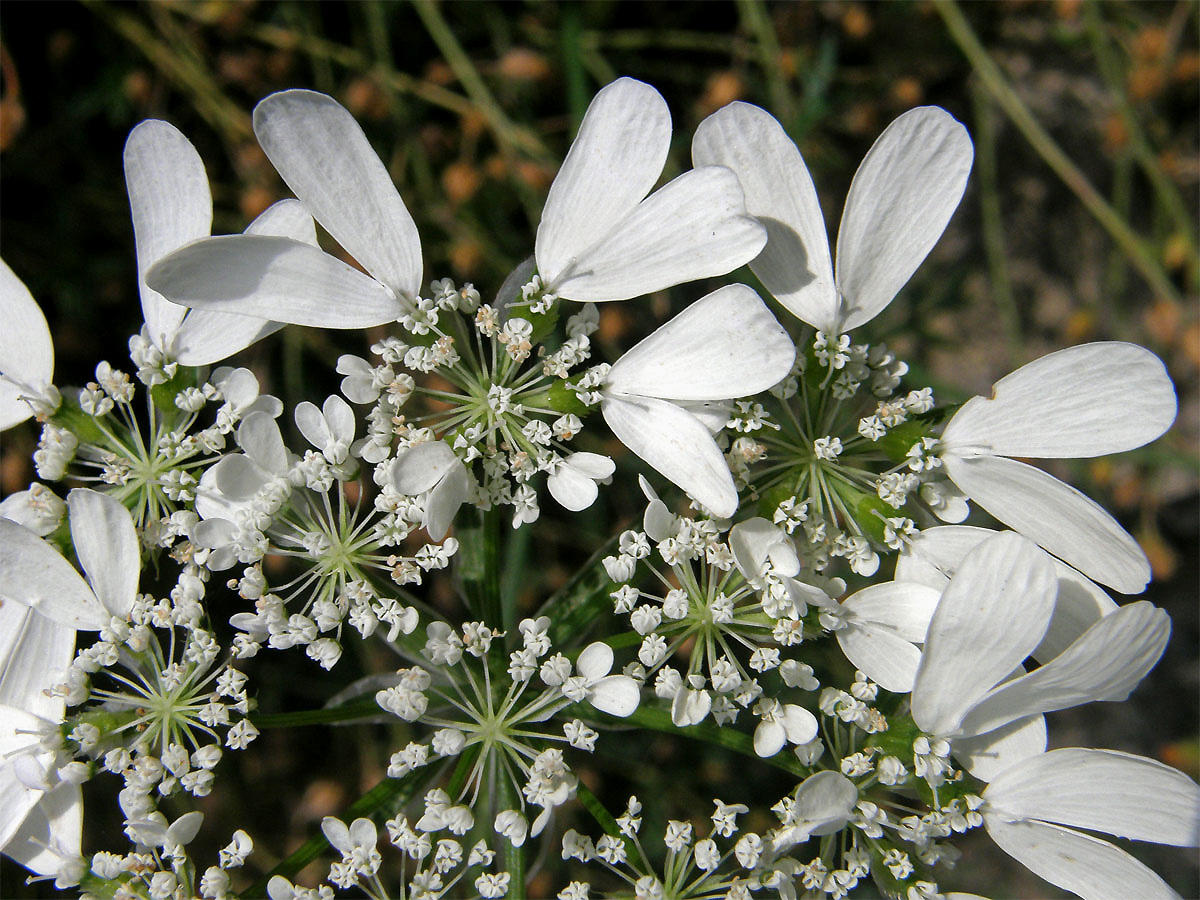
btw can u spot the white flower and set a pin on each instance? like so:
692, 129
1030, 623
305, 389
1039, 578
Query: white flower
32, 573
26, 354
323, 155
432, 469
993, 614
602, 238
782, 723
617, 695
573, 480
1084, 401
171, 206
725, 345
1032, 809
902, 196
38, 508
330, 429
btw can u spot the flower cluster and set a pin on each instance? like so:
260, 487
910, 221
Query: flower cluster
178, 535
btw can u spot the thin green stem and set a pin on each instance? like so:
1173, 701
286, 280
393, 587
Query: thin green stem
1140, 255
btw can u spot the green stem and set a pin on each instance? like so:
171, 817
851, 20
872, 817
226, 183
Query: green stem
360, 708
1140, 255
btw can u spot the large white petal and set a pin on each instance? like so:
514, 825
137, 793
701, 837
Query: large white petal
171, 206
900, 201
422, 466
1083, 401
902, 608
51, 834
986, 756
26, 352
1058, 517
35, 575
1103, 790
884, 657
275, 278
1087, 866
107, 546
726, 344
595, 661
1106, 663
613, 163
795, 265
19, 731
676, 445
694, 227
993, 613
33, 650
934, 555
321, 152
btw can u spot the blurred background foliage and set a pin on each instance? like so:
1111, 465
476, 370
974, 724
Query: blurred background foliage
1079, 224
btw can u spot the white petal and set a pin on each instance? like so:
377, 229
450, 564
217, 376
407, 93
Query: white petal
1084, 401
617, 695
936, 553
263, 276
286, 218
676, 445
444, 500
1102, 790
26, 352
33, 650
321, 152
339, 418
337, 834
901, 199
13, 409
595, 661
1106, 663
757, 540
260, 440
1055, 515
207, 336
107, 546
19, 731
613, 163
799, 724
904, 609
1079, 863
825, 801
593, 465
795, 265
171, 206
51, 834
694, 227
769, 738
33, 574
422, 466
571, 488
993, 613
883, 656
988, 755
312, 424
726, 344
